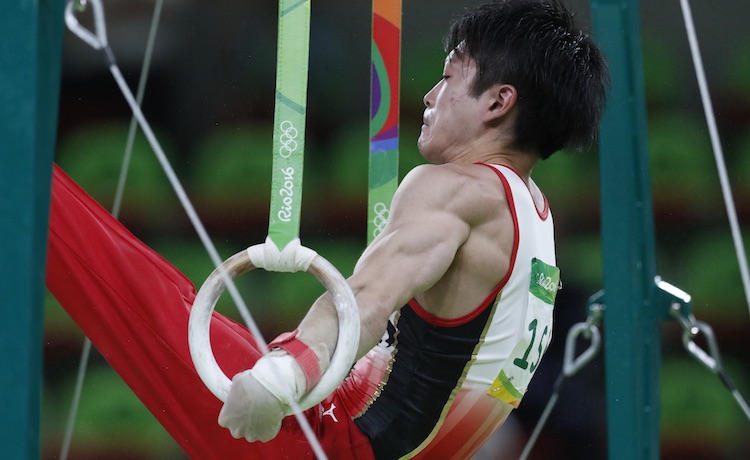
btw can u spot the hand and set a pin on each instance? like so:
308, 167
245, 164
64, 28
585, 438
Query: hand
251, 411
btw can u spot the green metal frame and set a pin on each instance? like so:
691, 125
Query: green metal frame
632, 340
635, 304
30, 60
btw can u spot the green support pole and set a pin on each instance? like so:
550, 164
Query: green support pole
632, 317
30, 57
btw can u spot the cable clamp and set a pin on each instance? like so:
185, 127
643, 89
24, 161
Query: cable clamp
691, 328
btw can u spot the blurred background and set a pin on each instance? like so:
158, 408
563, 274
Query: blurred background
210, 100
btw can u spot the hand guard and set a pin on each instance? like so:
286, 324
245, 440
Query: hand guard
259, 398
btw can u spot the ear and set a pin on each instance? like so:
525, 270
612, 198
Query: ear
501, 99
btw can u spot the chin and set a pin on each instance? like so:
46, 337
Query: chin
423, 151
427, 149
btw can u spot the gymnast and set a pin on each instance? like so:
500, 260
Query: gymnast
455, 295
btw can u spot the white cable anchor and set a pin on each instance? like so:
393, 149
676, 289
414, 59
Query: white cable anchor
711, 359
571, 364
97, 41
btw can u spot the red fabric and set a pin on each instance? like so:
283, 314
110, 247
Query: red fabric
134, 306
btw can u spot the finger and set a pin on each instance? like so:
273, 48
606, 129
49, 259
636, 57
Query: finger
269, 432
237, 433
224, 418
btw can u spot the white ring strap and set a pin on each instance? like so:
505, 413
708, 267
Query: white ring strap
293, 258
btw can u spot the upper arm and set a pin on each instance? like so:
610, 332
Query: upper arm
431, 217
429, 221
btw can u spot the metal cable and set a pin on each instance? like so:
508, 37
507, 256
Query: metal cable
99, 41
116, 207
717, 149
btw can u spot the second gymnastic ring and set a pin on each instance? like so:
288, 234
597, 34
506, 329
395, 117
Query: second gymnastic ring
205, 302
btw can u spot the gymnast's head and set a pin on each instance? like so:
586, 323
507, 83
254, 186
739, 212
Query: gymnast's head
559, 74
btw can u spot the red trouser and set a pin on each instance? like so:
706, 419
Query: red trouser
134, 306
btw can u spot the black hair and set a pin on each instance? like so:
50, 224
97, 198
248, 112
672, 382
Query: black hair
559, 73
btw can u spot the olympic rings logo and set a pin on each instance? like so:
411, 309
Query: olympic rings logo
287, 139
380, 219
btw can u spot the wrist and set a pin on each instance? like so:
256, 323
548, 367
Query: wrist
305, 357
280, 374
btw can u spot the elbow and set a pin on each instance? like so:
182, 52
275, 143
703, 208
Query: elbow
374, 310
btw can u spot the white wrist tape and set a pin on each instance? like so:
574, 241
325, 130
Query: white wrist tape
281, 375
293, 258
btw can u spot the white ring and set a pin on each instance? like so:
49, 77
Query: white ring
205, 302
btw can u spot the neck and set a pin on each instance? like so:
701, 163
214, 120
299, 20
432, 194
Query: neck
496, 147
520, 161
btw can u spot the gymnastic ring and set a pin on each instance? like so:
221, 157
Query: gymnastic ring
205, 302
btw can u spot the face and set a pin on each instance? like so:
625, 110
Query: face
452, 116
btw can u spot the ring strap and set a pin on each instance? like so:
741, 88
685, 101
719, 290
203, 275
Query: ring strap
290, 109
304, 355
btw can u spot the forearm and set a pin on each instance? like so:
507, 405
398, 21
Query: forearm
320, 327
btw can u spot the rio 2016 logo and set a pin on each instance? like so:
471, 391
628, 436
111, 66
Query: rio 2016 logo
287, 192
547, 283
287, 139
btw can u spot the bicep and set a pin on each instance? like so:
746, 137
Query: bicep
410, 256
403, 261
427, 225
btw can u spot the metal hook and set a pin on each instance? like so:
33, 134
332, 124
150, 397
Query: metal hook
571, 364
687, 322
97, 41
79, 5
712, 359
690, 329
596, 311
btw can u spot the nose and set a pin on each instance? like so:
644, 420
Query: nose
429, 98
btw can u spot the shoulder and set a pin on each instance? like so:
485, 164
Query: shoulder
448, 171
465, 189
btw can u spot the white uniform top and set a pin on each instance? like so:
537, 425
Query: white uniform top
521, 327
440, 387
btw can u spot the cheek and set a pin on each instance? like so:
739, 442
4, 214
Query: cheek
458, 109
